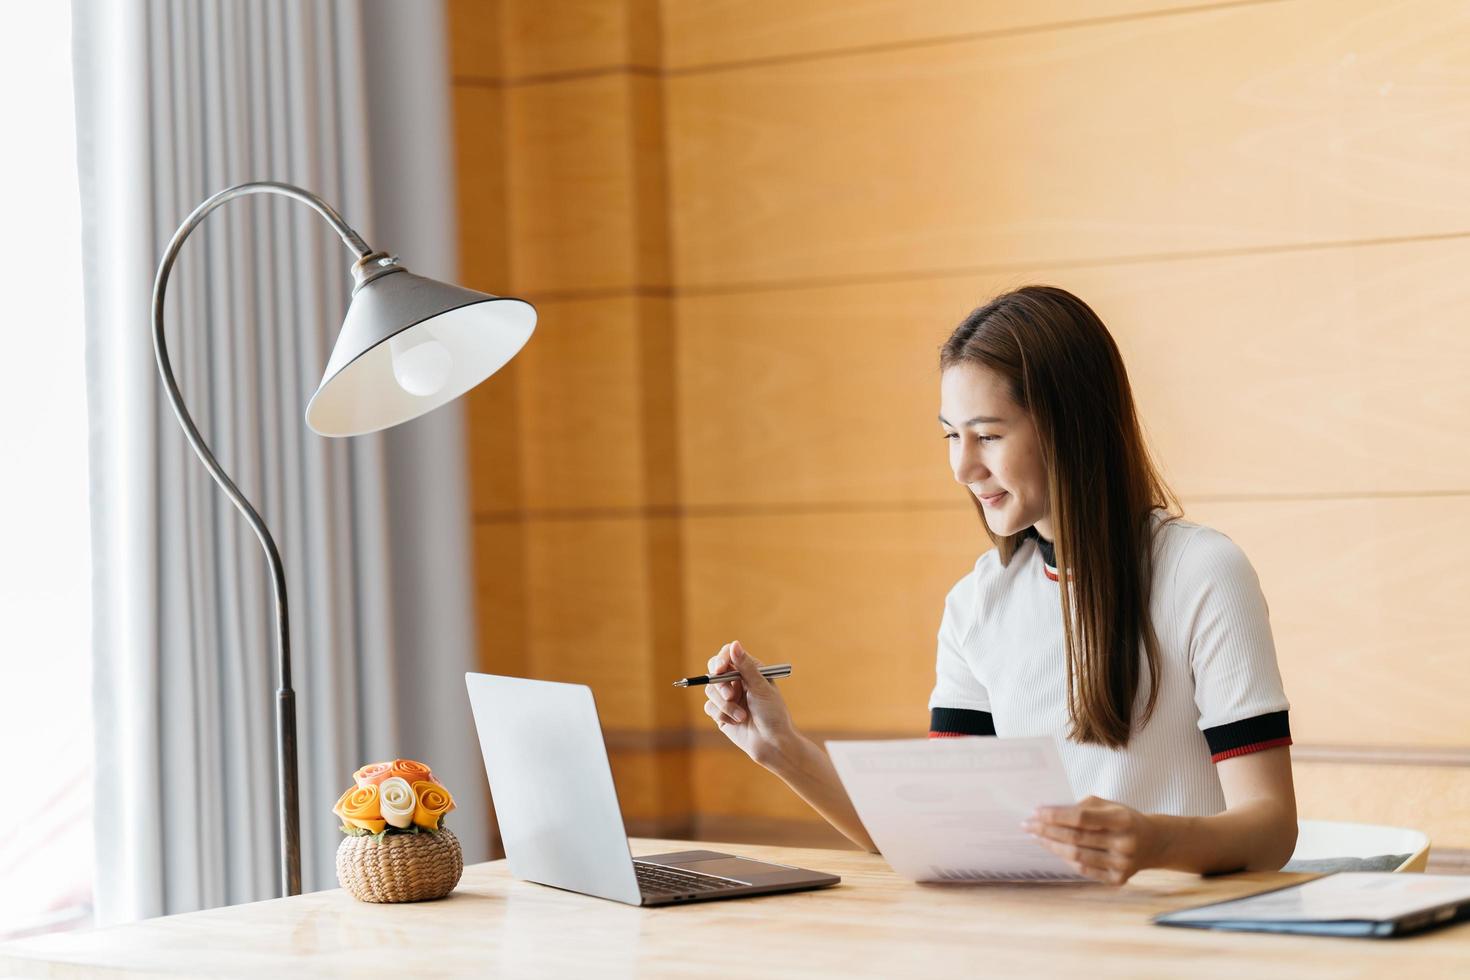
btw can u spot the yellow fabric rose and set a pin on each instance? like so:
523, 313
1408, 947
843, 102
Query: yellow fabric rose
433, 802
358, 807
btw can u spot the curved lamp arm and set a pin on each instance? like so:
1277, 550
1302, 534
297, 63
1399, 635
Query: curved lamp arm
290, 819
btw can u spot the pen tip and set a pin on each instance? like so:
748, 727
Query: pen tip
680, 684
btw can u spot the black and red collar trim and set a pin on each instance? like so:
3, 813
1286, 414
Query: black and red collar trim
1048, 553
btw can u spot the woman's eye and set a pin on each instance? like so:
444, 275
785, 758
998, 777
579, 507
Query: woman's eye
956, 435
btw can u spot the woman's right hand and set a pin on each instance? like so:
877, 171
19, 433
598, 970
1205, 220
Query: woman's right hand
753, 715
750, 711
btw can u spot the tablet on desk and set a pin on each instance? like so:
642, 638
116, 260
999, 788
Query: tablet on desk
1351, 903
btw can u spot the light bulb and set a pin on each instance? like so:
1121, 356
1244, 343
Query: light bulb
420, 365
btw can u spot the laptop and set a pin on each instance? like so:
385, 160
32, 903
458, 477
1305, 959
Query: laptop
558, 809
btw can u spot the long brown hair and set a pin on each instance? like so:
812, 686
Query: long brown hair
1063, 368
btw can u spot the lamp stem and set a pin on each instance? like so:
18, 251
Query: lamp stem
289, 810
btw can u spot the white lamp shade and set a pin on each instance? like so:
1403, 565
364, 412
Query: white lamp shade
381, 373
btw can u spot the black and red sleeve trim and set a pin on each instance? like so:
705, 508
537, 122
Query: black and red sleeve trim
953, 722
1250, 735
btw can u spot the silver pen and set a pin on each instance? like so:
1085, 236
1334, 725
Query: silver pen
769, 673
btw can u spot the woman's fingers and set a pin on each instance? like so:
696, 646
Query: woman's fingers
1106, 877
730, 707
723, 663
720, 662
1074, 854
1102, 840
1093, 857
724, 716
724, 692
1097, 864
1080, 817
713, 710
721, 692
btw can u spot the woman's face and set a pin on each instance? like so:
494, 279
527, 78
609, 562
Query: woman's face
993, 450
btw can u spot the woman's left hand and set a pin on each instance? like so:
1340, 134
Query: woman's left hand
1102, 840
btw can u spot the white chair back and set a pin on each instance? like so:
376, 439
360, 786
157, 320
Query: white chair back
1322, 839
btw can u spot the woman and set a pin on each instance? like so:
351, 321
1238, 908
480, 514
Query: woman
1139, 641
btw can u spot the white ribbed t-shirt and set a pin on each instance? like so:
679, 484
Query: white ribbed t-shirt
1001, 650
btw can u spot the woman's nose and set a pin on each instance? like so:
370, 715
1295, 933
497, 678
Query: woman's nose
969, 470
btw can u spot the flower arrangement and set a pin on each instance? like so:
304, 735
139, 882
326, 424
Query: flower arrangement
397, 848
398, 797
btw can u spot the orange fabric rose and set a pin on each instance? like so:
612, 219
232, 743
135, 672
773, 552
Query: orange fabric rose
358, 807
373, 773
433, 802
411, 771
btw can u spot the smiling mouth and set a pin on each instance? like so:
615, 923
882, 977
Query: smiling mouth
993, 498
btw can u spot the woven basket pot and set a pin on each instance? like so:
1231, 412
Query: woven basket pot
400, 867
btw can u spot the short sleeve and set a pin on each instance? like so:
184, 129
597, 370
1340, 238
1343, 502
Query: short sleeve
959, 704
1237, 683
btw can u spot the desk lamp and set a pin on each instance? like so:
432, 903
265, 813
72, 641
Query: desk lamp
407, 346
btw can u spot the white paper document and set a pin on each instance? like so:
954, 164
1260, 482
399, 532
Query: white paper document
951, 809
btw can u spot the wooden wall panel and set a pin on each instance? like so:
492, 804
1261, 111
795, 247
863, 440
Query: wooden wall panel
546, 37
1253, 126
587, 620
561, 159
501, 596
669, 655
480, 152
576, 182
1367, 609
658, 380
701, 33
816, 397
649, 150
493, 443
602, 610
1285, 373
582, 404
653, 786
852, 599
810, 831
1434, 799
474, 39
1324, 372
728, 784
491, 430
518, 40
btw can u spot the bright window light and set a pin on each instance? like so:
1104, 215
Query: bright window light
45, 598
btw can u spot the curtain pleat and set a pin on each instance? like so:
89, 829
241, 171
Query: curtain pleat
177, 99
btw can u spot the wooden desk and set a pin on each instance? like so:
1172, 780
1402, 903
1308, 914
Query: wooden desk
873, 924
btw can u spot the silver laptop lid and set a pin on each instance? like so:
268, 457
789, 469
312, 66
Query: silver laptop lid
552, 786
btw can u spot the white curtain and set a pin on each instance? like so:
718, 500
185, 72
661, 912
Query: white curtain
176, 100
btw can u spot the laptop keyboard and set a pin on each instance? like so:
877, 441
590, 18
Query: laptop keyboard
656, 880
